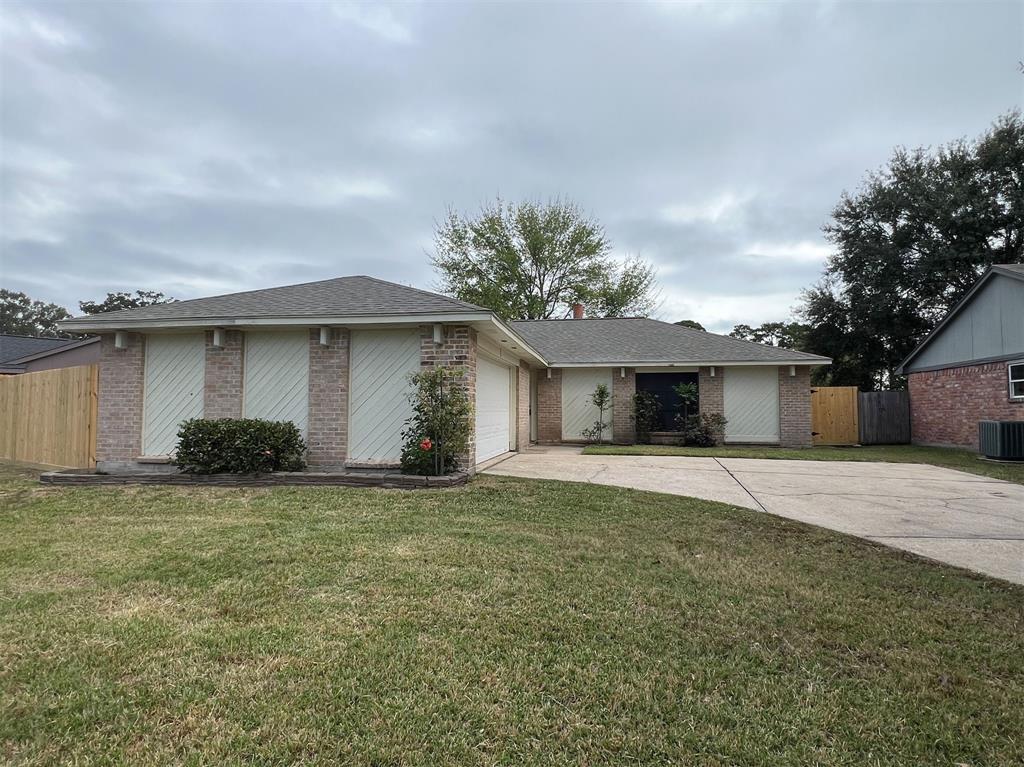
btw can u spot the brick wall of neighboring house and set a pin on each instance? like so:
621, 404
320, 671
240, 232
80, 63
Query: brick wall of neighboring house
623, 389
327, 439
946, 405
549, 405
119, 432
522, 407
795, 406
222, 385
457, 350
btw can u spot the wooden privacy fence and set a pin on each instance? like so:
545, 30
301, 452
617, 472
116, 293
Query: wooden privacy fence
49, 418
884, 417
834, 415
840, 415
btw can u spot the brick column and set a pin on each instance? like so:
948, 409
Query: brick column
623, 389
795, 406
711, 391
457, 350
522, 407
222, 386
549, 405
119, 431
327, 437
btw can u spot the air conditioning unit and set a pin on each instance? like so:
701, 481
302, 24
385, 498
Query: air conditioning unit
1002, 440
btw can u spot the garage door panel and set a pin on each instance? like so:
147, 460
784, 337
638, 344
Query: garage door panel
493, 409
751, 404
174, 375
578, 411
277, 377
381, 362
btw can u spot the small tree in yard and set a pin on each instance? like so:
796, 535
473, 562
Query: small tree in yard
688, 394
602, 400
646, 412
438, 431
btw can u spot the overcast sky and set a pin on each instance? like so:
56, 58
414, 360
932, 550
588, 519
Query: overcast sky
199, 148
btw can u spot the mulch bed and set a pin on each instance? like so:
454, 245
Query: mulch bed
273, 479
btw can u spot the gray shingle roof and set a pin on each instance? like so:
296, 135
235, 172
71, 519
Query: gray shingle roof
16, 347
638, 340
342, 296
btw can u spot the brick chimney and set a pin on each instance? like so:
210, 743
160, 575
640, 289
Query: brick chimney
577, 311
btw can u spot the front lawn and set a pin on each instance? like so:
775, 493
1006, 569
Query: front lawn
508, 622
950, 458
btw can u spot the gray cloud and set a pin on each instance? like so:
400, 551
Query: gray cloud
197, 148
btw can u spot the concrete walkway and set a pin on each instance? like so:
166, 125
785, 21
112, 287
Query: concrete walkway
963, 519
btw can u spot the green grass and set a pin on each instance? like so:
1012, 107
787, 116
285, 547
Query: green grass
950, 458
509, 622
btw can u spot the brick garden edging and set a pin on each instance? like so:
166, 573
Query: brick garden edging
274, 479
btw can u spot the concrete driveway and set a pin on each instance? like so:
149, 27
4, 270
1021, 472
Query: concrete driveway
963, 519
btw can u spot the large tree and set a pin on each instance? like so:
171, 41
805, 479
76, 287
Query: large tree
533, 261
21, 315
909, 244
117, 301
788, 335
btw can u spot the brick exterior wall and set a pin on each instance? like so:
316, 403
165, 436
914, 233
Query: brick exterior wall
795, 407
327, 438
222, 387
946, 405
623, 389
119, 431
522, 407
711, 390
549, 405
457, 350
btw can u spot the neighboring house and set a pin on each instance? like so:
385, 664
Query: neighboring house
334, 357
971, 367
30, 354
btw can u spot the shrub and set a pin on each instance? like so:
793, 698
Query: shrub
601, 399
646, 415
703, 430
239, 446
438, 431
689, 396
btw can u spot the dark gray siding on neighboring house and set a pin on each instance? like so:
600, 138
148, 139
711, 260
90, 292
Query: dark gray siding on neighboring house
991, 326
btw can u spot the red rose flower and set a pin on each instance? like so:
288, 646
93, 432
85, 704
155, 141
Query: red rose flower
426, 444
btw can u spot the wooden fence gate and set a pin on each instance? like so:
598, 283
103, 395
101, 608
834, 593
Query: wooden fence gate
884, 417
834, 418
49, 418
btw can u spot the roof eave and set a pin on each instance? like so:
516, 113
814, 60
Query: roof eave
90, 325
811, 362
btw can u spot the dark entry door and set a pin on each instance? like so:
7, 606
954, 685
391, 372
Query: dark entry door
660, 384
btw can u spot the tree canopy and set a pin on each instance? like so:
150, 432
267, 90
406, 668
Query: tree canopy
788, 335
690, 324
909, 244
533, 260
118, 301
22, 316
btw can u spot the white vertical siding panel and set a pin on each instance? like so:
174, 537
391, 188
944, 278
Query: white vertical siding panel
578, 411
381, 362
173, 388
751, 404
277, 376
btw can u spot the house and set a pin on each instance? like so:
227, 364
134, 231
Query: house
30, 354
970, 368
334, 357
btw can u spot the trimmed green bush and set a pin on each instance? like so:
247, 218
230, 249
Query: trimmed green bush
239, 446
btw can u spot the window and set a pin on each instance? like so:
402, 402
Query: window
1016, 371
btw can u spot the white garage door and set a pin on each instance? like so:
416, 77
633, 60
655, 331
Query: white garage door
752, 404
578, 411
277, 376
173, 388
380, 364
493, 409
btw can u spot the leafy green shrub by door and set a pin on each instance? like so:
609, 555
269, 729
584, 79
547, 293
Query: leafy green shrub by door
438, 431
239, 446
